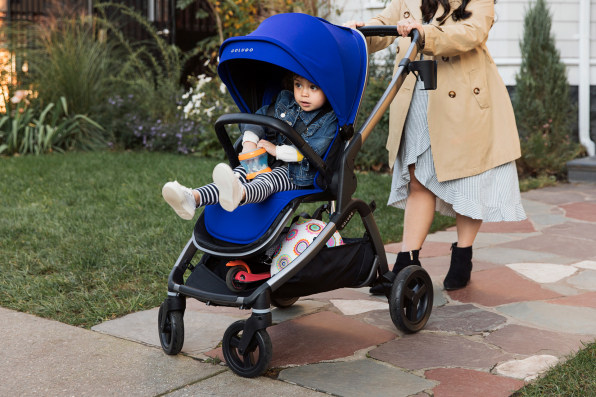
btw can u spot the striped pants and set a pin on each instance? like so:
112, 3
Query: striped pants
257, 190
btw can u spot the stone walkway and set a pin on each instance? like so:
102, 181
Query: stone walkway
530, 304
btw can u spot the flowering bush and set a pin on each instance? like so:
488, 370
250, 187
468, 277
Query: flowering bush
203, 103
189, 131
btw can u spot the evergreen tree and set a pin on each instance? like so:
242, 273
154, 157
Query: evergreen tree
543, 109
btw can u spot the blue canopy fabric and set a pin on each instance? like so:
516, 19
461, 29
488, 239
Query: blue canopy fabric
332, 57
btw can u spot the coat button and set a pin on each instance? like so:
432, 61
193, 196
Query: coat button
407, 14
445, 59
476, 90
451, 94
397, 50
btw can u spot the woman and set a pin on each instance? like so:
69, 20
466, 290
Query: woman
452, 149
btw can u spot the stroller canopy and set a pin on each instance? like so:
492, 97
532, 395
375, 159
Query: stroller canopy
330, 56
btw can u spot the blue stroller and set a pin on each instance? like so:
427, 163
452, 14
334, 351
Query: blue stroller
252, 67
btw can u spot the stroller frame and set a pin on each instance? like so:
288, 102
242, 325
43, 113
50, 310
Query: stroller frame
411, 295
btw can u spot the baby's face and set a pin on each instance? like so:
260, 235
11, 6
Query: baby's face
309, 96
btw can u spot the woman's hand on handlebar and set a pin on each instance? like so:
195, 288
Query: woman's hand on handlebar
353, 24
405, 26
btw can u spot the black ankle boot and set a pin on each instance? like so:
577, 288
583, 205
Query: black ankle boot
404, 259
460, 268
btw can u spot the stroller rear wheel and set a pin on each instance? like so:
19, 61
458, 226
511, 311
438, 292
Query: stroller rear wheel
252, 362
171, 335
411, 299
282, 303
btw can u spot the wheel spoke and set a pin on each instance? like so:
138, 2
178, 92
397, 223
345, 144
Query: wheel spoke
409, 293
235, 341
248, 360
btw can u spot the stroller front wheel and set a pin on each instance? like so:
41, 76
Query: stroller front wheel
171, 336
411, 299
252, 362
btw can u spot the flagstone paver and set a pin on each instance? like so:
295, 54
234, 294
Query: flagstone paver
230, 384
583, 211
464, 319
543, 272
352, 307
357, 378
584, 280
380, 319
499, 286
586, 300
524, 226
301, 308
429, 350
558, 195
561, 318
571, 247
581, 230
458, 382
528, 368
520, 339
504, 256
586, 265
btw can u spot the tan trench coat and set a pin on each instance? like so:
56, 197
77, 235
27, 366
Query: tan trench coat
470, 116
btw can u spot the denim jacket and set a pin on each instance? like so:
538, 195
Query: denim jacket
318, 135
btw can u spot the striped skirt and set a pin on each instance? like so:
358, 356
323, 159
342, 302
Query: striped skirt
492, 196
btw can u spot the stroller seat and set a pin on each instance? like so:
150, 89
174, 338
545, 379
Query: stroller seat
249, 226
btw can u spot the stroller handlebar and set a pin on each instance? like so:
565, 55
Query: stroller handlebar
267, 122
386, 30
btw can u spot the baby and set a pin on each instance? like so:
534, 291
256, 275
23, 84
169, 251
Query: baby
306, 105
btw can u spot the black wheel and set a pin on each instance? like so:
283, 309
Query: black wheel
255, 360
282, 303
411, 299
172, 334
232, 284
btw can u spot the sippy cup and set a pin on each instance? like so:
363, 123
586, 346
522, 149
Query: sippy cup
254, 162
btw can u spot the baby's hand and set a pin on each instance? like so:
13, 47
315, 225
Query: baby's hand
268, 146
353, 24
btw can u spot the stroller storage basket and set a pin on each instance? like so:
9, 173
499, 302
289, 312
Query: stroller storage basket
343, 266
347, 265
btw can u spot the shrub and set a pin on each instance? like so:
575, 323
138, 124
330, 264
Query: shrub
66, 60
543, 109
27, 130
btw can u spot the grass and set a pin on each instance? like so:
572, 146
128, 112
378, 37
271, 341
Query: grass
575, 377
87, 237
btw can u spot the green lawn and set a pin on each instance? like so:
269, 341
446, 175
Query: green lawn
86, 237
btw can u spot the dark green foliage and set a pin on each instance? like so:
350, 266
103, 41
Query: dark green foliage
543, 109
373, 155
